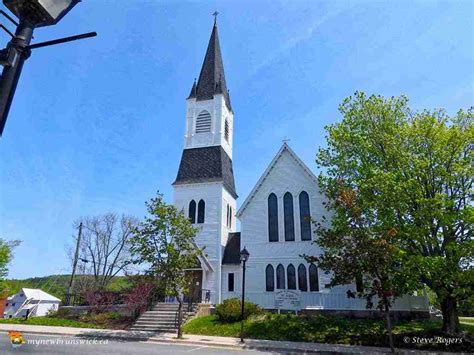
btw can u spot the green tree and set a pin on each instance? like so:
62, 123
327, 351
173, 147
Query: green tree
165, 242
357, 249
6, 255
411, 173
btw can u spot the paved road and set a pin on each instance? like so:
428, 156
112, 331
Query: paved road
51, 344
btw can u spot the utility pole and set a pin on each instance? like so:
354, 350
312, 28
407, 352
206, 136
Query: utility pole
74, 264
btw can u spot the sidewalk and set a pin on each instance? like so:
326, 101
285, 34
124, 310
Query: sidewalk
202, 340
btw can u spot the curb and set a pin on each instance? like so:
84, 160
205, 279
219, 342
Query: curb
245, 346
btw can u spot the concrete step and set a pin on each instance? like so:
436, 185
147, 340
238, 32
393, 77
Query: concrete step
144, 328
158, 325
168, 315
157, 330
170, 305
156, 321
161, 315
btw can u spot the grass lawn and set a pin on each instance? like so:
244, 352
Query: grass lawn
321, 330
56, 322
105, 320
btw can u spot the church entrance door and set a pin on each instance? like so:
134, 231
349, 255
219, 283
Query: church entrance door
195, 289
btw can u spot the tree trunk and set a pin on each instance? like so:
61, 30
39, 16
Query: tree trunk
449, 309
389, 328
180, 316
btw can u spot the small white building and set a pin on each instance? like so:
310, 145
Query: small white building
30, 302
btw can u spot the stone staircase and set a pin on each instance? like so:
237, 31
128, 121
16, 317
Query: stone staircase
162, 318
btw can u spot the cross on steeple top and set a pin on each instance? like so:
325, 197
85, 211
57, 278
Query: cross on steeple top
286, 139
215, 16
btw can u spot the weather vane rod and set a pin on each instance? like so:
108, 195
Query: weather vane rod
215, 16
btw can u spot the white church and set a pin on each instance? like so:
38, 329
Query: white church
274, 218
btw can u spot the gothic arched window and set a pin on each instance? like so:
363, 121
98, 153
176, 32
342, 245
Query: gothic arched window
203, 122
302, 281
313, 278
291, 276
289, 217
272, 218
227, 220
226, 130
305, 221
201, 211
192, 211
269, 278
280, 277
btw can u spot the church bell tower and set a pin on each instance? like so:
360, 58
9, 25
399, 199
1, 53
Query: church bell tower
204, 187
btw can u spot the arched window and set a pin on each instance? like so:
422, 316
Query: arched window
289, 217
280, 277
203, 122
313, 278
201, 208
226, 130
269, 278
305, 221
192, 211
227, 220
291, 276
272, 218
302, 280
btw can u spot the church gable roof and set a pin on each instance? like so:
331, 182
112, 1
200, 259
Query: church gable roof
206, 164
232, 249
284, 148
212, 77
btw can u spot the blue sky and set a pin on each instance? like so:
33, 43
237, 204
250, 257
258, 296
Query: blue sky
97, 125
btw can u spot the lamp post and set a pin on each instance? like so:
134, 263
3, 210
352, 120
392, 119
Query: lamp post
31, 14
244, 256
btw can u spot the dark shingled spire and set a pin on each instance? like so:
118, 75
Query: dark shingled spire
192, 94
212, 78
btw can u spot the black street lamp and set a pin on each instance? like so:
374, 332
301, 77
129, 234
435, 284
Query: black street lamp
31, 14
244, 256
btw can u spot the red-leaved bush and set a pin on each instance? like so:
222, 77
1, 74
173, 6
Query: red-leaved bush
138, 298
99, 300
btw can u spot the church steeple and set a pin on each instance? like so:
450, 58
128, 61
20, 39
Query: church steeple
209, 116
212, 77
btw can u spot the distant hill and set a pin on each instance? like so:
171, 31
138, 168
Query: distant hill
56, 285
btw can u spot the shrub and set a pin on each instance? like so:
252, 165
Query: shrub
229, 310
115, 315
138, 298
99, 301
101, 318
60, 313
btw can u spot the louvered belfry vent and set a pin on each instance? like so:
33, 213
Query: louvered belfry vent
203, 122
